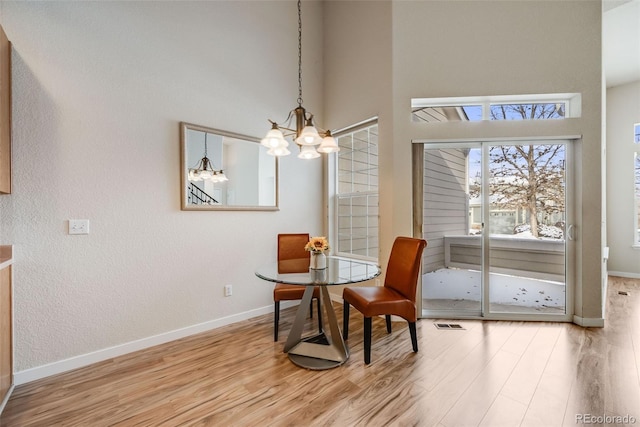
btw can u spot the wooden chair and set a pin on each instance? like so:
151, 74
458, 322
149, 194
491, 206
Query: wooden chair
396, 297
292, 258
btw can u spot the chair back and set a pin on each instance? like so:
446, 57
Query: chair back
292, 258
404, 266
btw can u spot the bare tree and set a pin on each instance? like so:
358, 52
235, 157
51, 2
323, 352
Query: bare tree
529, 177
527, 111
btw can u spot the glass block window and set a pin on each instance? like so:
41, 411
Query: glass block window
355, 221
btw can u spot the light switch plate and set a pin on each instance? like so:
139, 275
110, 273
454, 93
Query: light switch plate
78, 226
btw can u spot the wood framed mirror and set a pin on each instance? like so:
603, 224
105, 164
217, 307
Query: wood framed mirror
223, 170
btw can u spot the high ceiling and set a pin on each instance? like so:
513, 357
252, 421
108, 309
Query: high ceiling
621, 41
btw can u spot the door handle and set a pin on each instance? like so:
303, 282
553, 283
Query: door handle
570, 234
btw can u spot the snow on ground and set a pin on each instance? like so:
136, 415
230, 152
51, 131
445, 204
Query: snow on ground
451, 288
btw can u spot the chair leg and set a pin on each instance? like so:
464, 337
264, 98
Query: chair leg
414, 336
387, 317
276, 319
367, 340
345, 321
319, 316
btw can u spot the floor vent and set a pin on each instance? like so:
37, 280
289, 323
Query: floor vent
623, 293
454, 326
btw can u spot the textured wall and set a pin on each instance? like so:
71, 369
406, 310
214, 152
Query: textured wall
99, 91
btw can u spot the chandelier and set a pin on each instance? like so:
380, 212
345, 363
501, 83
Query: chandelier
310, 141
204, 171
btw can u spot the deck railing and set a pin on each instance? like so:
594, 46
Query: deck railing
539, 259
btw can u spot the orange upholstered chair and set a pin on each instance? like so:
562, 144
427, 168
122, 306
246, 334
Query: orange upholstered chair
396, 297
292, 258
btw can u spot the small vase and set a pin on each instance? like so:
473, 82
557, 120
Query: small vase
318, 261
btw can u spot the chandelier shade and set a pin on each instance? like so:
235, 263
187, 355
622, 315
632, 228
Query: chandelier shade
274, 138
309, 139
279, 151
308, 152
328, 144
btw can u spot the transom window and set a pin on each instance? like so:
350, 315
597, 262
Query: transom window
354, 192
517, 107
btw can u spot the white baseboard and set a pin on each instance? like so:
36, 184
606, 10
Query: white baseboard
589, 322
32, 374
623, 274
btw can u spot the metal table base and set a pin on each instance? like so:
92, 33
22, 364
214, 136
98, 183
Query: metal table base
323, 351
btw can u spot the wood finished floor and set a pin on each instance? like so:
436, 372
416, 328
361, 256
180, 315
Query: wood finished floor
494, 373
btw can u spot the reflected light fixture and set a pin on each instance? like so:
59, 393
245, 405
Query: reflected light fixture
310, 141
204, 170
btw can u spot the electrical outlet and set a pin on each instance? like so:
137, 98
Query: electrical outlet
78, 226
228, 290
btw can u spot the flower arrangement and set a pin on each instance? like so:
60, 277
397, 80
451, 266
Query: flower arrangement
317, 245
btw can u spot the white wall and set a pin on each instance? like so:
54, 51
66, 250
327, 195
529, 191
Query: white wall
471, 48
99, 89
623, 111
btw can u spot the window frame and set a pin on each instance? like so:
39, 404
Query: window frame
333, 194
571, 101
635, 184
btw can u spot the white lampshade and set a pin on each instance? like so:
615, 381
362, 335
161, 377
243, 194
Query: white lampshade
205, 174
274, 138
194, 175
308, 152
279, 151
309, 136
222, 177
328, 145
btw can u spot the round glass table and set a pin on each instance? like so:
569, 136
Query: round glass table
327, 349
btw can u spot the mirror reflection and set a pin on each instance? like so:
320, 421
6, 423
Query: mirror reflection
226, 170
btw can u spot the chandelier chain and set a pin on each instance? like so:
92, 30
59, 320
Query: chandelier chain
300, 52
305, 134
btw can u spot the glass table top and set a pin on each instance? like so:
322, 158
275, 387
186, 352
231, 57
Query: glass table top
339, 271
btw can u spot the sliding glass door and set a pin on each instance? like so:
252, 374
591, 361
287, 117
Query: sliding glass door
452, 226
496, 215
